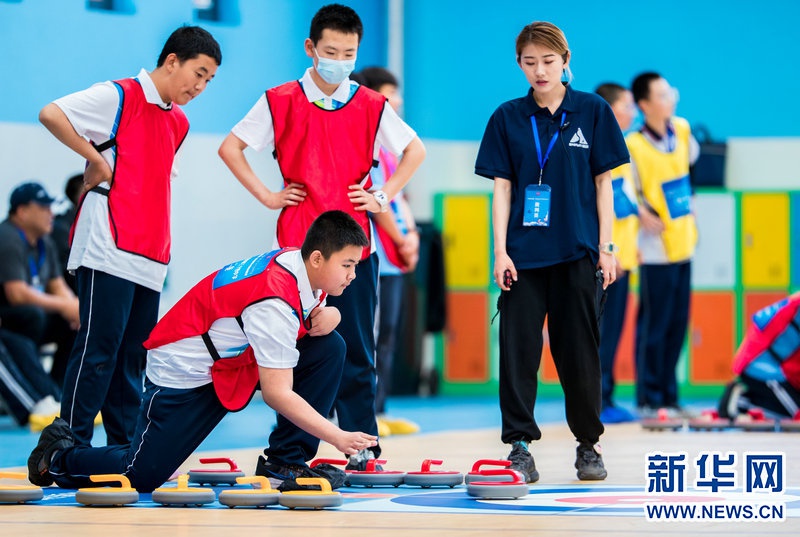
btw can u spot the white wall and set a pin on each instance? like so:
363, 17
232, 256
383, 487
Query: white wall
214, 219
763, 164
448, 167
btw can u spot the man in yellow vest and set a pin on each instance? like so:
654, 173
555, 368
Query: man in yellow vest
661, 153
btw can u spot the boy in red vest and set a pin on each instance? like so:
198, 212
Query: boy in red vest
768, 363
260, 320
129, 132
325, 132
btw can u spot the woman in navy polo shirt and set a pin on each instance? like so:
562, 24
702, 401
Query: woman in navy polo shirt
550, 155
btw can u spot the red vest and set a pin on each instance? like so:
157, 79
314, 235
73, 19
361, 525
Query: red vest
388, 164
325, 150
145, 142
773, 342
226, 293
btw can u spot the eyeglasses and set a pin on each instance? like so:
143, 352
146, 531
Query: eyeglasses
671, 95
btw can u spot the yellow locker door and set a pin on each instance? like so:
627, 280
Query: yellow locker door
465, 231
765, 240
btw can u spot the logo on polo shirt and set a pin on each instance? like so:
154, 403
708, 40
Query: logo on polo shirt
578, 140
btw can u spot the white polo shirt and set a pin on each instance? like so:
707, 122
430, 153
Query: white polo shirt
270, 326
92, 113
257, 131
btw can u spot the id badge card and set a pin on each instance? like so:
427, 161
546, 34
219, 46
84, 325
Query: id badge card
36, 282
623, 206
537, 206
678, 195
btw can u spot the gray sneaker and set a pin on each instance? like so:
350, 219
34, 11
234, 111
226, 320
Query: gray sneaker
358, 461
589, 462
522, 462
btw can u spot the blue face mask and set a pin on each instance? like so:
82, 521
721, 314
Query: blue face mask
334, 71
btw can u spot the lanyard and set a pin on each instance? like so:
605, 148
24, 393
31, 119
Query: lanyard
543, 161
671, 139
36, 265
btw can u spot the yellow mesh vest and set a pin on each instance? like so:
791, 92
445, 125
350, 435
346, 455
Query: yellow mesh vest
626, 220
664, 181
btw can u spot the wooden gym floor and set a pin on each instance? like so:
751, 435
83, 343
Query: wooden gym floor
557, 505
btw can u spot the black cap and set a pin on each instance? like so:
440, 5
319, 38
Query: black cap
29, 193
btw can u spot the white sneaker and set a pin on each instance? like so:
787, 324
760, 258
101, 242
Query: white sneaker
43, 413
47, 406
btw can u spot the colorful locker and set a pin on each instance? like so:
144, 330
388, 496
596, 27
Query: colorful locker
547, 368
466, 228
624, 363
712, 337
714, 264
466, 339
754, 301
765, 240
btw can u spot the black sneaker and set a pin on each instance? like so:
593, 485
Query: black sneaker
358, 461
522, 461
729, 406
284, 477
55, 437
589, 462
334, 475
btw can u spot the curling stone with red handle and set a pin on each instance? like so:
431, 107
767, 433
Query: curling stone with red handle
427, 478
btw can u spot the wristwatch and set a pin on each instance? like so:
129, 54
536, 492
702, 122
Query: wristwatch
609, 248
382, 199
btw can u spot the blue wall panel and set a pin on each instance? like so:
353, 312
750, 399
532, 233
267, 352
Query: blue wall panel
56, 47
459, 55
721, 55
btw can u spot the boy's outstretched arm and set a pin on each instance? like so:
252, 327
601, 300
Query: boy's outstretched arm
232, 154
276, 388
97, 170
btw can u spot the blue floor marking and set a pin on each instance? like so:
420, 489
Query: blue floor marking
251, 427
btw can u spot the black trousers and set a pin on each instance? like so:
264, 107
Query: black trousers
105, 372
775, 395
661, 325
355, 403
567, 294
23, 381
42, 327
611, 325
172, 422
390, 306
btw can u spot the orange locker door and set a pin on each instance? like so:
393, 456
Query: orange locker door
547, 367
754, 301
466, 352
712, 337
624, 361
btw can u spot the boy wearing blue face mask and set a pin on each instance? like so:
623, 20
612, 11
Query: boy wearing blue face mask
325, 151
